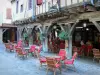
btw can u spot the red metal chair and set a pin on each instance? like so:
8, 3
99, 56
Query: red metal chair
21, 53
89, 49
40, 48
62, 54
62, 46
42, 59
71, 61
37, 51
81, 51
19, 44
52, 64
9, 47
96, 54
75, 49
32, 49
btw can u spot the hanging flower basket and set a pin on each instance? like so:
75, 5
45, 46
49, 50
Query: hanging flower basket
63, 35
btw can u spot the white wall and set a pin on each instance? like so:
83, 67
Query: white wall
21, 15
4, 4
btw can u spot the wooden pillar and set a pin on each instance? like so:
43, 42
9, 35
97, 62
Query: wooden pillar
96, 24
19, 32
70, 47
45, 41
12, 35
1, 35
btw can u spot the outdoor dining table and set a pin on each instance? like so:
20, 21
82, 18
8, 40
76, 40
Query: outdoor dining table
27, 49
57, 58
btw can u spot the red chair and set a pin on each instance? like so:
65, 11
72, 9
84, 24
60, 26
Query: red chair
71, 61
81, 51
19, 44
53, 65
42, 61
62, 54
21, 53
89, 49
41, 58
62, 46
78, 50
75, 49
9, 47
37, 51
32, 49
40, 47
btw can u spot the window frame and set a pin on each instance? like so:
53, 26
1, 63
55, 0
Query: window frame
21, 8
29, 4
17, 6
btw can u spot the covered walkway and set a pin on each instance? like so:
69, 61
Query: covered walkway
11, 65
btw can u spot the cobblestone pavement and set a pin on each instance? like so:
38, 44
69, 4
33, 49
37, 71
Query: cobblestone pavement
11, 65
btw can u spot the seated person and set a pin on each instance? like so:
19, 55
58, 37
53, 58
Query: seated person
89, 43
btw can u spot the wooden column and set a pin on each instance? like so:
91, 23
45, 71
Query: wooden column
45, 41
12, 35
70, 47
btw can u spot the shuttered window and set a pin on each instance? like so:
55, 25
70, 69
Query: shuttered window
30, 4
39, 2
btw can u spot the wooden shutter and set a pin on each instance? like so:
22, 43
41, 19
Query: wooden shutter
8, 13
39, 2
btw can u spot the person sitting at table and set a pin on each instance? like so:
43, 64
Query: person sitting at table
81, 52
89, 43
89, 47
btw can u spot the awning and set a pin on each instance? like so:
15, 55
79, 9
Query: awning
5, 25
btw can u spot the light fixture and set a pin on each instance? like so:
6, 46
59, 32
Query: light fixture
54, 27
84, 25
79, 27
87, 29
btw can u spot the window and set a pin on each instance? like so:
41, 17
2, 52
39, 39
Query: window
17, 4
30, 4
80, 0
39, 2
74, 1
21, 8
8, 13
62, 2
68, 2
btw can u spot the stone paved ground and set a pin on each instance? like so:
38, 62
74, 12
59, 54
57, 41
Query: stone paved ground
11, 65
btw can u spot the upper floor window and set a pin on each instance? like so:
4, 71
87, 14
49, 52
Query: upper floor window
17, 4
30, 4
21, 8
39, 2
8, 13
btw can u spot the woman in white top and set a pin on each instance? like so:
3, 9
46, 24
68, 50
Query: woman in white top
82, 43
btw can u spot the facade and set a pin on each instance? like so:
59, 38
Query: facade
22, 9
49, 14
22, 14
